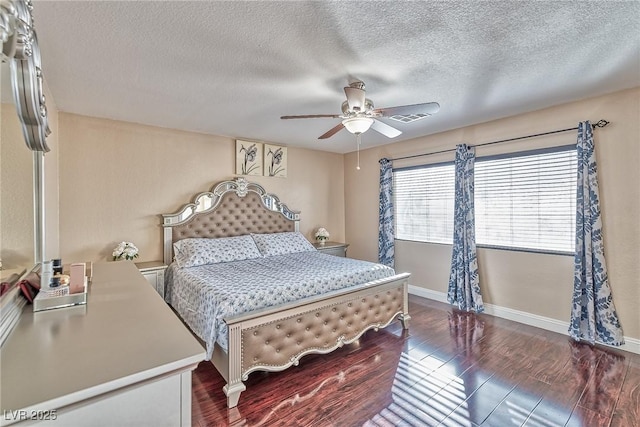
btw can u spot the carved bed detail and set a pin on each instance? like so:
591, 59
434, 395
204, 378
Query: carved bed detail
275, 338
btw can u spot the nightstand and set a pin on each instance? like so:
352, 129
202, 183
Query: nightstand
153, 271
332, 248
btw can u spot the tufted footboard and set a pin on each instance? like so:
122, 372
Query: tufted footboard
276, 338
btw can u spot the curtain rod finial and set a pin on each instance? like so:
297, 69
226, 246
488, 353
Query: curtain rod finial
601, 123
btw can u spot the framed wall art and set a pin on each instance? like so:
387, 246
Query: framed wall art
248, 158
275, 161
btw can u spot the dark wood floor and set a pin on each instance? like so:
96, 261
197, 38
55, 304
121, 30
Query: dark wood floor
451, 369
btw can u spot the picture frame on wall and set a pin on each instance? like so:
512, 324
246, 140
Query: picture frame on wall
248, 157
275, 161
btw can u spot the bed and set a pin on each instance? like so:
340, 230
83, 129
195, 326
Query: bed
264, 310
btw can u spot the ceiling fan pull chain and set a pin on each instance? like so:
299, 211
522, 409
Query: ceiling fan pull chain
358, 150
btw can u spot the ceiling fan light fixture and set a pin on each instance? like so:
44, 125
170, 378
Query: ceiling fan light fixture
357, 125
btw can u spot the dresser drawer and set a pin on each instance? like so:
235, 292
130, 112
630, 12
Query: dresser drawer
332, 248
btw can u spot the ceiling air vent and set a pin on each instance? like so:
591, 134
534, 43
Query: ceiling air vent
408, 118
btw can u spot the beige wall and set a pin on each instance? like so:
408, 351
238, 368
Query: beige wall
534, 283
116, 178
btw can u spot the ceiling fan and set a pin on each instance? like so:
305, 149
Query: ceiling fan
359, 115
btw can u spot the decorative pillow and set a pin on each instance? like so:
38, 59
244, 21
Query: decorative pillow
193, 252
282, 243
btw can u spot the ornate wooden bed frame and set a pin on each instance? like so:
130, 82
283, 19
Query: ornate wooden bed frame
275, 338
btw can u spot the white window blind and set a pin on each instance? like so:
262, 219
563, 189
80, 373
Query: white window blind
423, 203
522, 201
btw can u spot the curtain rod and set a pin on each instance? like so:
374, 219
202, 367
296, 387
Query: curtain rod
601, 123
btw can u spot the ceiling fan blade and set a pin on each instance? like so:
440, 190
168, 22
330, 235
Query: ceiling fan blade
355, 98
331, 132
385, 129
428, 109
312, 116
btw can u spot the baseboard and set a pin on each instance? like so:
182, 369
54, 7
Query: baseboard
428, 293
631, 344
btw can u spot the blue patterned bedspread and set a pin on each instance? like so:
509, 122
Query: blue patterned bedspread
205, 295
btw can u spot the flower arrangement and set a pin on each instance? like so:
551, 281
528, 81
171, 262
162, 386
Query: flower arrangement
322, 234
125, 250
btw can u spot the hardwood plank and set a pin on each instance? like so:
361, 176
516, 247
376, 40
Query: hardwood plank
561, 398
602, 390
368, 380
583, 417
483, 401
385, 418
627, 410
551, 363
568, 388
452, 401
518, 404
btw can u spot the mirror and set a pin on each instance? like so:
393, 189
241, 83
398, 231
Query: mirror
22, 223
17, 239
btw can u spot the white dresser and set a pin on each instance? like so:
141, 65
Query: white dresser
123, 359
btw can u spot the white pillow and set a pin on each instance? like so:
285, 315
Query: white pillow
282, 243
193, 252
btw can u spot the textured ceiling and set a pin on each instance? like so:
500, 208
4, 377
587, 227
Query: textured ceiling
233, 68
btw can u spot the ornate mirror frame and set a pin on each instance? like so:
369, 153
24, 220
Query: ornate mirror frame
20, 47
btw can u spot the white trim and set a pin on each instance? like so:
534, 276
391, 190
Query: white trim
427, 293
631, 344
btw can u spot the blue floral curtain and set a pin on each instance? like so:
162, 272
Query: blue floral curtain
386, 248
593, 315
464, 281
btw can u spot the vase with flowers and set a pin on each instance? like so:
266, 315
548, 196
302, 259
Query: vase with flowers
322, 235
125, 250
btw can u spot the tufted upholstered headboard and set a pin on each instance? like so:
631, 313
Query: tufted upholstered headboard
231, 208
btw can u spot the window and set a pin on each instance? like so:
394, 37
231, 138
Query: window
423, 203
522, 201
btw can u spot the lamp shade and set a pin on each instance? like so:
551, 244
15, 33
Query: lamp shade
357, 125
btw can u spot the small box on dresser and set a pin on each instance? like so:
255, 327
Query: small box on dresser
153, 271
332, 248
